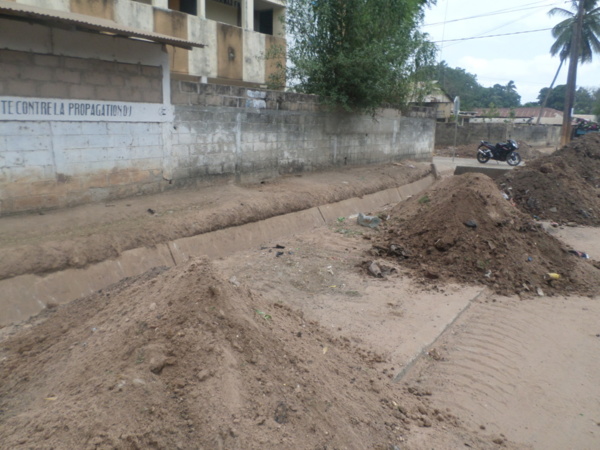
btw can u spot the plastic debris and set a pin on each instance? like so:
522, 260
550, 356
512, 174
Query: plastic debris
580, 254
379, 270
375, 270
553, 276
470, 224
368, 221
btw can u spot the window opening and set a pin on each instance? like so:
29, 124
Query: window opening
184, 6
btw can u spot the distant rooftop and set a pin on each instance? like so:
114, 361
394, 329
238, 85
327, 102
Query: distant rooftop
520, 112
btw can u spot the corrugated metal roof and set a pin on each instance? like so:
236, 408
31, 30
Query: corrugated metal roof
90, 23
521, 112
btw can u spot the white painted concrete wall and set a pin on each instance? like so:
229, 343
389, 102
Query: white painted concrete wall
47, 163
203, 61
254, 57
59, 5
134, 14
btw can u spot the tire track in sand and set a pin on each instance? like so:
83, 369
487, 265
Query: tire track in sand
527, 369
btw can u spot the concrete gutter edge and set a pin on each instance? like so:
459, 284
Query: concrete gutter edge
26, 295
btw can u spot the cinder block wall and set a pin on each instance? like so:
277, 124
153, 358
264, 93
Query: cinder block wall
51, 76
217, 131
49, 164
473, 133
256, 134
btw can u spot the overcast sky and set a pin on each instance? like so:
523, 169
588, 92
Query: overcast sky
524, 58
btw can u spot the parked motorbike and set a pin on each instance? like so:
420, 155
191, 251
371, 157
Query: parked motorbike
502, 151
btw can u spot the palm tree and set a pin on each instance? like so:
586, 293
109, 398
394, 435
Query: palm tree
563, 33
590, 33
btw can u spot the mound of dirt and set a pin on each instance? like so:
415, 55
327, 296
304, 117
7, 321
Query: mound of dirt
464, 229
183, 359
562, 187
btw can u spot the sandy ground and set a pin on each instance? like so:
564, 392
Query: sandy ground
523, 371
331, 357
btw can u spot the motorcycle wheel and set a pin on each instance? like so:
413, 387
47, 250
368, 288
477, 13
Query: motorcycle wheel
482, 157
513, 159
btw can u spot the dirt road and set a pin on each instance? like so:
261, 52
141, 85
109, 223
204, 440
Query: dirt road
522, 371
294, 345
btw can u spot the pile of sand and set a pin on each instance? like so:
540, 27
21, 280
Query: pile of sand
562, 187
465, 230
184, 359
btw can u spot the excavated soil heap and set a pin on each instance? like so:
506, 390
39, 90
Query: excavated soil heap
464, 229
182, 359
562, 187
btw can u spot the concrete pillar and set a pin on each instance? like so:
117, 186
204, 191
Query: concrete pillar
201, 8
248, 15
278, 21
161, 3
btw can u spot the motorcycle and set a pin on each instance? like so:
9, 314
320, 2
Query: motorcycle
502, 151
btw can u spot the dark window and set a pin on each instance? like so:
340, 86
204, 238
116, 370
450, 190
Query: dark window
185, 6
264, 21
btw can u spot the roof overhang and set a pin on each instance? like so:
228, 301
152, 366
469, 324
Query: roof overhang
88, 23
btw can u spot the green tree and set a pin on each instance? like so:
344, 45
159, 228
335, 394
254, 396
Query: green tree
596, 107
357, 54
563, 34
555, 98
584, 101
459, 82
492, 111
590, 33
501, 96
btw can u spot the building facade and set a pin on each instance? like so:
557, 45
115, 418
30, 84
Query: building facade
91, 109
244, 39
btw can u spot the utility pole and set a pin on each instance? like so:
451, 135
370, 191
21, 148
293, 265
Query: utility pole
572, 76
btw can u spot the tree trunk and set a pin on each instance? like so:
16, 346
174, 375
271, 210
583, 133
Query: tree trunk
549, 92
572, 77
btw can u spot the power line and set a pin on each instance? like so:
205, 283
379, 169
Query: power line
492, 35
510, 22
494, 13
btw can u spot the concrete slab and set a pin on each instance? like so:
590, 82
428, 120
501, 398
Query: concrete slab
368, 203
26, 295
230, 240
490, 171
373, 202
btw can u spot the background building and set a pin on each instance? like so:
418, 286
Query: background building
239, 34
